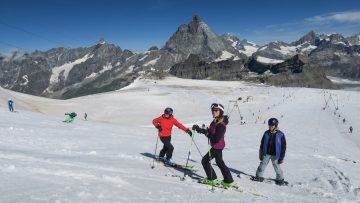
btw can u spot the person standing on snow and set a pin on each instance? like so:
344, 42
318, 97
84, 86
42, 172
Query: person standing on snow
11, 105
164, 124
216, 135
272, 147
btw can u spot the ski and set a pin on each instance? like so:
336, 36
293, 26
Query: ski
233, 188
178, 166
266, 180
182, 167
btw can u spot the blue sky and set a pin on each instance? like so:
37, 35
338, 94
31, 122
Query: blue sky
140, 24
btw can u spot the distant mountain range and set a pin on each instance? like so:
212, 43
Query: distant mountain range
193, 51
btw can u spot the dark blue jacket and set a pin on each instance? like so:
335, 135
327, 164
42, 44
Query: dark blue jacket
280, 143
10, 103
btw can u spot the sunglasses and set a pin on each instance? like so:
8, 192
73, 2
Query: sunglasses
216, 110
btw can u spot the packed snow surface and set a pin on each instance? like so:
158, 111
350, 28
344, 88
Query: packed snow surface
107, 158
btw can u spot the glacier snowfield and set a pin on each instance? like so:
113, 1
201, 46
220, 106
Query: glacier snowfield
105, 158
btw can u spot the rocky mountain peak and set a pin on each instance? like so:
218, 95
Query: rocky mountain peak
195, 38
355, 39
230, 36
102, 41
197, 18
309, 37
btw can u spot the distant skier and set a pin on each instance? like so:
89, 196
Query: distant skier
70, 118
164, 124
216, 135
85, 116
351, 129
272, 147
344, 120
242, 121
11, 105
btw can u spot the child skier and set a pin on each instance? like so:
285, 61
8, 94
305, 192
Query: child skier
164, 124
272, 147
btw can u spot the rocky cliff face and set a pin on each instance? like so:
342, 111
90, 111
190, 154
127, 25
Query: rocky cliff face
195, 68
296, 71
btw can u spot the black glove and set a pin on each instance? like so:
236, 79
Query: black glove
196, 127
189, 132
159, 127
261, 157
280, 161
226, 119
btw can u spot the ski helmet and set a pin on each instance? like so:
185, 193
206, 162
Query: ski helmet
273, 122
217, 106
168, 110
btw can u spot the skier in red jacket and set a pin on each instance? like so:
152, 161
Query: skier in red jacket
164, 124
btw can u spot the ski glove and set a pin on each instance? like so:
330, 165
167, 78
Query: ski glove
159, 127
196, 127
280, 161
189, 132
204, 131
226, 119
261, 157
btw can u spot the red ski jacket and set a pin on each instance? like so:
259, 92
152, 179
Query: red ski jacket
167, 124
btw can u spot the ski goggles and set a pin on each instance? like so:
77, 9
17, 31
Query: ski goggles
217, 106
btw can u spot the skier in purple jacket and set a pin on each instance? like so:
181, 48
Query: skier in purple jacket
216, 134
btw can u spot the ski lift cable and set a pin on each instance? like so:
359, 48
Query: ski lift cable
12, 46
33, 34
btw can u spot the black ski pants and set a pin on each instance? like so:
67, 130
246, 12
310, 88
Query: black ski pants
210, 173
167, 149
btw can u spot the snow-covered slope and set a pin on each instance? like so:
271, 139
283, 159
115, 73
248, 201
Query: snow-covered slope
243, 46
45, 160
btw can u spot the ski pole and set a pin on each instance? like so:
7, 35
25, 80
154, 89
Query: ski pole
197, 148
153, 165
211, 176
187, 161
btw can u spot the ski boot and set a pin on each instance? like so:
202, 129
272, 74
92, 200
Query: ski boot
280, 182
209, 182
227, 185
257, 178
161, 158
170, 162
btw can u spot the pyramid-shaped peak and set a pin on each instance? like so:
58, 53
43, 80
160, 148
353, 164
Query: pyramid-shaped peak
197, 18
195, 38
